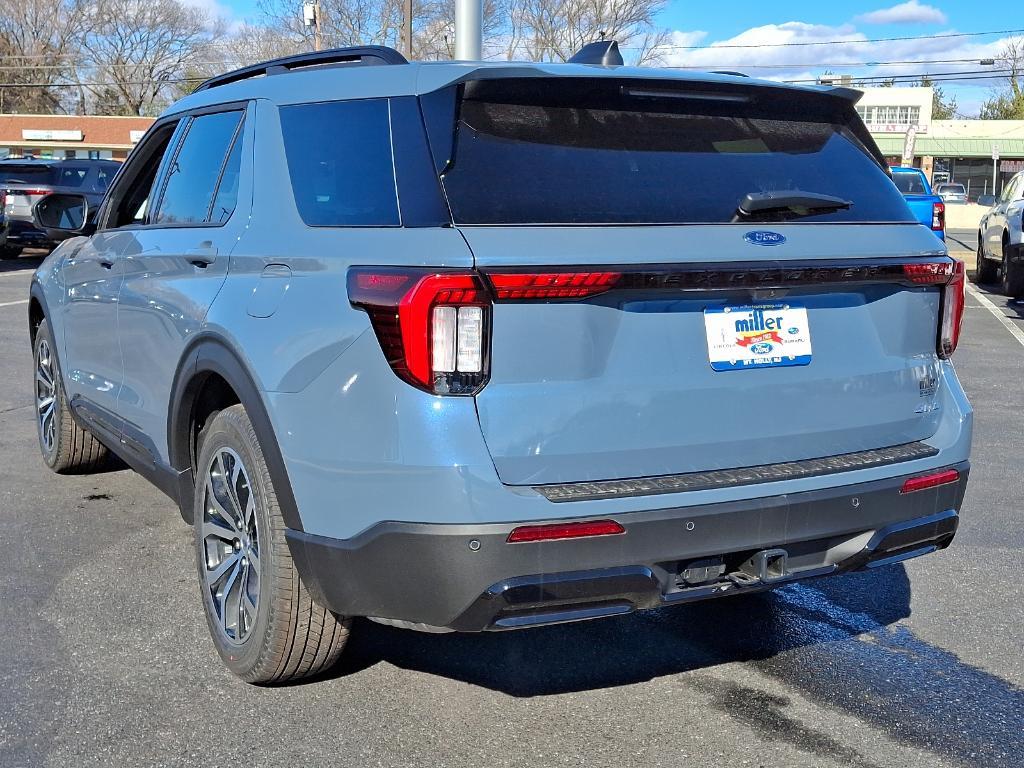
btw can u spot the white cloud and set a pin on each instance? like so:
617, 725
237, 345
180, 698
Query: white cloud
857, 56
910, 12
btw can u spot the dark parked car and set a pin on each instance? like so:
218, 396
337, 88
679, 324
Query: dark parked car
26, 180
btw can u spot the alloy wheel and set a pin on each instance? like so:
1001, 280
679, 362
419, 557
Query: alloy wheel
46, 396
230, 545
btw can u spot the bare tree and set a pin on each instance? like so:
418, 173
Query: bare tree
137, 50
1008, 103
38, 46
538, 30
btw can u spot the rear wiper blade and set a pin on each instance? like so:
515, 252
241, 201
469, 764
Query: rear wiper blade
793, 202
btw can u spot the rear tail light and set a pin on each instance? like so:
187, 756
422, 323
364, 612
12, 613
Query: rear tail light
945, 477
952, 311
30, 191
432, 326
938, 216
950, 275
556, 531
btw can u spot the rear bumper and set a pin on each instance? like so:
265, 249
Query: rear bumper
25, 234
467, 578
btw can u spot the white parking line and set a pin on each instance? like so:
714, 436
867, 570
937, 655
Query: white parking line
25, 301
1017, 333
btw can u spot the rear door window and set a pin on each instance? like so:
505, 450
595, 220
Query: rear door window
612, 151
196, 169
340, 161
26, 173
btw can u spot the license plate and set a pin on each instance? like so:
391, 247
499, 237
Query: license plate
757, 336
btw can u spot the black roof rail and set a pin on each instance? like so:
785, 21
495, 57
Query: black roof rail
363, 54
729, 72
604, 52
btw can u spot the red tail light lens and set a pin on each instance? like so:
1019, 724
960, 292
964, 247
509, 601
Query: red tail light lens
564, 531
952, 311
551, 285
930, 273
432, 326
938, 216
930, 481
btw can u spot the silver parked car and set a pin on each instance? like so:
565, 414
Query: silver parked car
952, 193
449, 346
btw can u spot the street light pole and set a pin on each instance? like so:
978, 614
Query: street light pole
468, 29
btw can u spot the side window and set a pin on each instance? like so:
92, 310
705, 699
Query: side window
227, 188
340, 162
193, 175
129, 199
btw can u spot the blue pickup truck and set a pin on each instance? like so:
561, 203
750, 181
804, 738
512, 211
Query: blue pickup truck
928, 208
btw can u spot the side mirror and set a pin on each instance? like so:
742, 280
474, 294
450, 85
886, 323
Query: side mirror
63, 215
987, 200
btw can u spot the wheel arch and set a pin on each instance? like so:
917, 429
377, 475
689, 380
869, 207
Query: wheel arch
212, 376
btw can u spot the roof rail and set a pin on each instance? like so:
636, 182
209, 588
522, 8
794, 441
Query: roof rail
603, 52
364, 54
729, 72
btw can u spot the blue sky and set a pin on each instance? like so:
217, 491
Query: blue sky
761, 23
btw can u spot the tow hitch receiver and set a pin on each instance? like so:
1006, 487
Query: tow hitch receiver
767, 566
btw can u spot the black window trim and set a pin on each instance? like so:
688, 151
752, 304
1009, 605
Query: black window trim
190, 117
237, 136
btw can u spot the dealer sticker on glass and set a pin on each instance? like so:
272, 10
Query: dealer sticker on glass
757, 336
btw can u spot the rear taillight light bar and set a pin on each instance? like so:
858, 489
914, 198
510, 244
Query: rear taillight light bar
938, 216
434, 325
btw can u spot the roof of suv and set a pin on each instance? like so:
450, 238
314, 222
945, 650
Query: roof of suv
324, 78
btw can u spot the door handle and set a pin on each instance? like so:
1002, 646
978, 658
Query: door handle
106, 263
203, 256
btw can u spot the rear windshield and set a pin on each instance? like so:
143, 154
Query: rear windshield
584, 151
26, 174
956, 189
909, 183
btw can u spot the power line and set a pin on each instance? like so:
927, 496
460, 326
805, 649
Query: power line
717, 46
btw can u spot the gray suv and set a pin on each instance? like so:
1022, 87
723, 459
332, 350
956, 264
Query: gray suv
473, 346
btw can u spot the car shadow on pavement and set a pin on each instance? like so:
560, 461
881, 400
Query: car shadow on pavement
22, 263
836, 641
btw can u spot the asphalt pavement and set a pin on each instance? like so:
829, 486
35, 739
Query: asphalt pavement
105, 659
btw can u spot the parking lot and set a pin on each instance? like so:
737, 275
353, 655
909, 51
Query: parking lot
106, 659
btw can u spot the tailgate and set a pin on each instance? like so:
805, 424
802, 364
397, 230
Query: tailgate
623, 384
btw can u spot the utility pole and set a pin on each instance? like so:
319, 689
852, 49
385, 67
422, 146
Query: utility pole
407, 29
469, 31
311, 18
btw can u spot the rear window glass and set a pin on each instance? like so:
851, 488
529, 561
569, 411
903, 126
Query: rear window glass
26, 174
340, 162
909, 183
70, 177
581, 151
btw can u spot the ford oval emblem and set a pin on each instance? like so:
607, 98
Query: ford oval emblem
764, 238
761, 348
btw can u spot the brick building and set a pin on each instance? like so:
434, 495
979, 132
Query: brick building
81, 136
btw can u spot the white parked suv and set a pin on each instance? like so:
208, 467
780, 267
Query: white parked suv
1001, 240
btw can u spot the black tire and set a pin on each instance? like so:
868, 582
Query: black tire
1013, 273
10, 252
67, 447
986, 270
291, 637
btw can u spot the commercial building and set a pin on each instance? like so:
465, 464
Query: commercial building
980, 154
70, 136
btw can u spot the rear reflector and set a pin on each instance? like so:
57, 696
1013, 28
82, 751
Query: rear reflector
564, 531
930, 481
552, 285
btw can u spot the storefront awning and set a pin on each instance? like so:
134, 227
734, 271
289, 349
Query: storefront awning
939, 147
